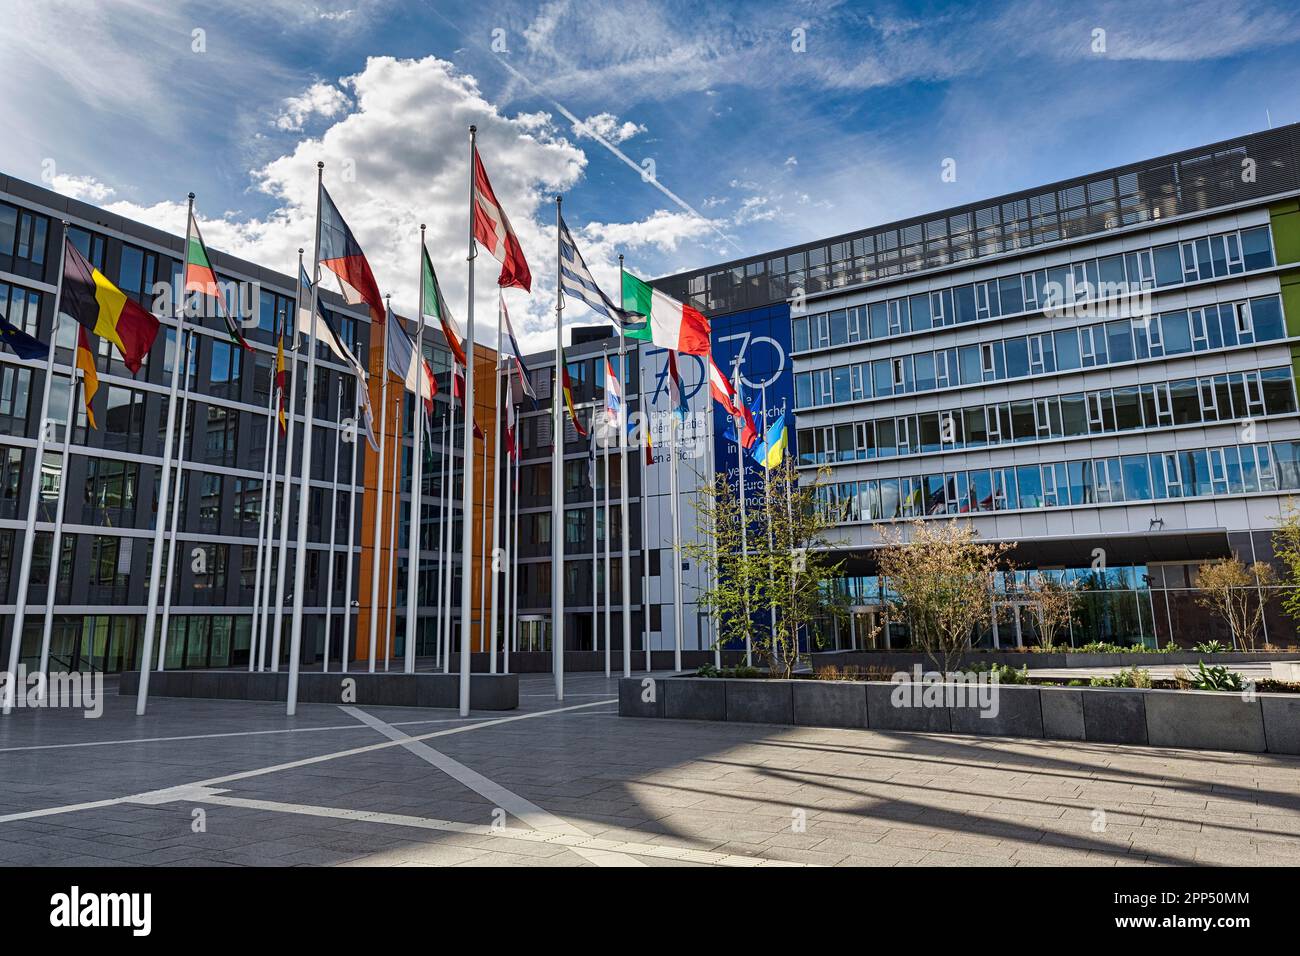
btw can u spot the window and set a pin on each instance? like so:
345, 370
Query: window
224, 370
122, 420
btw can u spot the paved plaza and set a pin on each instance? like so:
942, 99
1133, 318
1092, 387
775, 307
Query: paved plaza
208, 782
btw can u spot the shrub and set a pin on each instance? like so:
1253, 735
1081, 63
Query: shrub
873, 672
1002, 673
1211, 647
1137, 677
1215, 677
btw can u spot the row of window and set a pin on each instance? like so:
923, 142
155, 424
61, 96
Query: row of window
1188, 401
1217, 256
1242, 322
1206, 472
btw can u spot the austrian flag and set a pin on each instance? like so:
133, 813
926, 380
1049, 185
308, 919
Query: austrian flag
493, 232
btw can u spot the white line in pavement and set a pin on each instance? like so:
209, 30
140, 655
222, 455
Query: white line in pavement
292, 765
579, 842
235, 733
493, 792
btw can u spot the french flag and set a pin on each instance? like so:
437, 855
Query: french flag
341, 254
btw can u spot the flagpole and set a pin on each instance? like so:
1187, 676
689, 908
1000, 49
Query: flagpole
483, 564
557, 477
441, 550
261, 526
274, 515
715, 619
352, 525
594, 475
376, 552
606, 537
390, 604
176, 511
514, 575
304, 495
467, 471
286, 489
744, 520
509, 583
496, 495
414, 531
448, 580
334, 519
164, 489
57, 542
625, 567
677, 537
767, 510
644, 496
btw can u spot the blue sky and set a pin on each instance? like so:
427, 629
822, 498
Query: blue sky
767, 124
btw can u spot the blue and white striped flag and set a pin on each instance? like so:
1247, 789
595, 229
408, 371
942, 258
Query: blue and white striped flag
576, 280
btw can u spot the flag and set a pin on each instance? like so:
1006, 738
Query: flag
24, 345
325, 328
492, 230
576, 280
458, 391
403, 362
89, 374
101, 307
613, 396
567, 385
433, 305
676, 393
341, 254
280, 380
649, 450
748, 427
672, 324
772, 449
723, 392
517, 356
512, 420
200, 278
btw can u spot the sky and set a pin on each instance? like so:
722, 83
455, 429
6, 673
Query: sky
680, 134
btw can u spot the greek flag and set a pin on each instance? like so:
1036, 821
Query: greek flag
576, 280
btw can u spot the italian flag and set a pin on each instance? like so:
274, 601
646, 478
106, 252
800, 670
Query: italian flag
672, 325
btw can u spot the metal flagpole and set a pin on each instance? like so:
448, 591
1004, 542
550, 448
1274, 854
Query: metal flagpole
744, 520
496, 496
557, 476
414, 533
334, 521
352, 523
448, 579
261, 526
176, 512
467, 475
274, 515
767, 511
715, 619
441, 550
508, 584
606, 537
677, 537
483, 563
164, 489
304, 495
377, 552
286, 489
625, 567
390, 604
594, 477
29, 532
57, 542
514, 575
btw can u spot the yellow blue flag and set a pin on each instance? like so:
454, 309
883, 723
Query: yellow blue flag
771, 450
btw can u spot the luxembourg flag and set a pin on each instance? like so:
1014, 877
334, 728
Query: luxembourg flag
341, 254
613, 396
672, 325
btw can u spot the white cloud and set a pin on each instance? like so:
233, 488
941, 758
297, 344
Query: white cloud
85, 188
791, 161
319, 99
607, 127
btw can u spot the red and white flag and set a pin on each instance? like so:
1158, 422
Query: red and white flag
723, 391
493, 231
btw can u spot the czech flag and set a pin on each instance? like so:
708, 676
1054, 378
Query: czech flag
341, 254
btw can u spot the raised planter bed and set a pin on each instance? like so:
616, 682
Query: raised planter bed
1206, 720
904, 660
486, 691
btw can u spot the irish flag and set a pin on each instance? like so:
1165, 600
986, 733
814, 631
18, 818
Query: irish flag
672, 325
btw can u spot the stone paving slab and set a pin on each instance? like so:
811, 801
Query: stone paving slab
658, 793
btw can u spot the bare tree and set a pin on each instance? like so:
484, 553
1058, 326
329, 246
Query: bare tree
943, 577
1231, 590
1054, 602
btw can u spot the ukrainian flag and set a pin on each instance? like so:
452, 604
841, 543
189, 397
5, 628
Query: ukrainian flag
771, 449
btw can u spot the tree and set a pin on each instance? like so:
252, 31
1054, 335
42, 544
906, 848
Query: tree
943, 579
1054, 604
788, 570
1286, 545
1230, 589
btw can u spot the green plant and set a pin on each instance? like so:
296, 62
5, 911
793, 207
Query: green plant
707, 670
1211, 647
1215, 677
1101, 647
1001, 673
1235, 592
1137, 677
1077, 682
1170, 648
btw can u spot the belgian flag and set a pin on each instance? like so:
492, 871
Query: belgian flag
104, 309
89, 375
